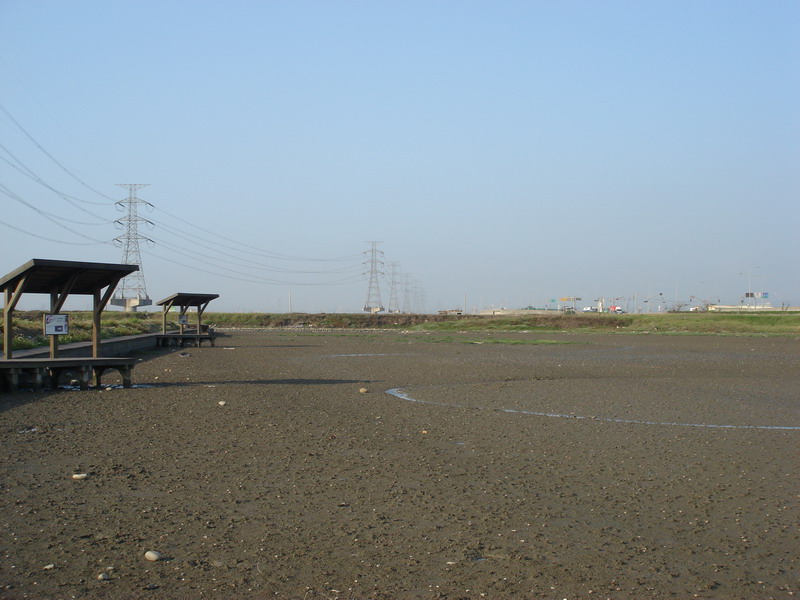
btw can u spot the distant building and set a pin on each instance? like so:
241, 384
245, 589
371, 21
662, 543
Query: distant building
749, 308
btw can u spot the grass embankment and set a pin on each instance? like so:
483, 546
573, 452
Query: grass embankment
677, 323
28, 325
29, 329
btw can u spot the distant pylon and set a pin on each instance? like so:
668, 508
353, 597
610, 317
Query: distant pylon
406, 308
132, 291
373, 303
394, 305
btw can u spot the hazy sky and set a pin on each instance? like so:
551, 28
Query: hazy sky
508, 152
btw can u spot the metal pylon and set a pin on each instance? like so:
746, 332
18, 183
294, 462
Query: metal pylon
132, 291
373, 264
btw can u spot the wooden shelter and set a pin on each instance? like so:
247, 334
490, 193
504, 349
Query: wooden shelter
185, 301
59, 279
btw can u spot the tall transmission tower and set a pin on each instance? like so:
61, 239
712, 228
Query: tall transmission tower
132, 291
394, 282
373, 264
406, 294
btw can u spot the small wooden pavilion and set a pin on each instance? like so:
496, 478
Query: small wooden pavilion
59, 279
184, 302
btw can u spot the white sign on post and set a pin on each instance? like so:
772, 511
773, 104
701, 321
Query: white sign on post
183, 320
56, 324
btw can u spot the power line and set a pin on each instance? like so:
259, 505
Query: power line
255, 279
4, 189
47, 239
54, 120
251, 249
51, 157
240, 262
27, 172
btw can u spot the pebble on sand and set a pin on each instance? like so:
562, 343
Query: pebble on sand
221, 402
153, 556
79, 476
363, 391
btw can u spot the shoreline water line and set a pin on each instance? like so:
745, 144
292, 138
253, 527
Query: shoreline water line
398, 393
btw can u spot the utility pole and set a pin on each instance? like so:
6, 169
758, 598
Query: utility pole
373, 304
132, 291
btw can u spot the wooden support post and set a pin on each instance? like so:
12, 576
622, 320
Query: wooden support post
57, 300
167, 308
10, 302
8, 330
53, 337
96, 324
99, 302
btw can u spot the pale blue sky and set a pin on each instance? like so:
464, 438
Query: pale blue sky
512, 152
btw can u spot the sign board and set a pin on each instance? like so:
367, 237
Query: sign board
183, 320
56, 324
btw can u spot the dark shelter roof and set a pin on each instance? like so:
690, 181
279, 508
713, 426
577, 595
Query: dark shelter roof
44, 276
184, 299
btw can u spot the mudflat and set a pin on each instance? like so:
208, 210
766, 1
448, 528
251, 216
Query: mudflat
386, 465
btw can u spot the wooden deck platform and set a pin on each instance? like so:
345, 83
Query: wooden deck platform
46, 372
195, 339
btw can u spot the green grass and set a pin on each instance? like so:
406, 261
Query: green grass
664, 323
725, 323
492, 340
28, 327
28, 324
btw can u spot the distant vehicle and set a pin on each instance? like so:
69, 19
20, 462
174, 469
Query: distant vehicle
589, 309
616, 310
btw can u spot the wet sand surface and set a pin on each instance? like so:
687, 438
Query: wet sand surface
586, 467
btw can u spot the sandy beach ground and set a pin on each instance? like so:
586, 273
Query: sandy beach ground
582, 466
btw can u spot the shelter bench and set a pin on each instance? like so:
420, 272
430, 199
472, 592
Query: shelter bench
47, 371
196, 339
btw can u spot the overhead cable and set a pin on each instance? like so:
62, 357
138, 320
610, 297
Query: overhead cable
266, 253
193, 256
41, 237
259, 280
22, 168
239, 261
51, 157
44, 214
